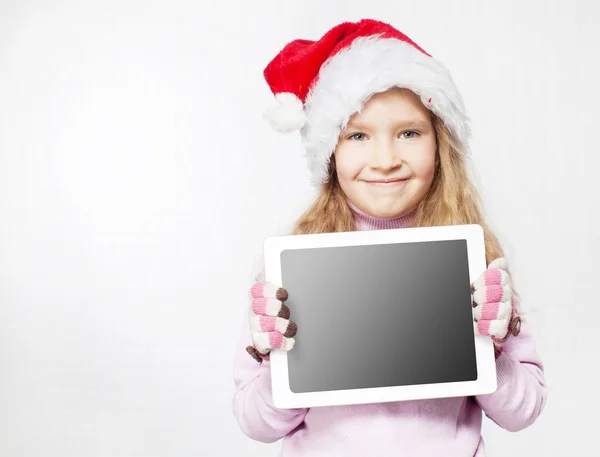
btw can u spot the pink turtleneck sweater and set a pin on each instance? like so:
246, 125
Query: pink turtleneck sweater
449, 426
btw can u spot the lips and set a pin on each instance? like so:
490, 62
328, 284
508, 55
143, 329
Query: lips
387, 181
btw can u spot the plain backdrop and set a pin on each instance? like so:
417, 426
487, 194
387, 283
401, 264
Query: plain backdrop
138, 181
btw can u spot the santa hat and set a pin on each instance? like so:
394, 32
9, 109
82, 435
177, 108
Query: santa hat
321, 84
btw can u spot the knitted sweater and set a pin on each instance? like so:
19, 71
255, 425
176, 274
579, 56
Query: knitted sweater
448, 426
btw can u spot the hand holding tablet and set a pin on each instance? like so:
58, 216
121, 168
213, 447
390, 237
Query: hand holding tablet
269, 321
381, 316
494, 305
492, 298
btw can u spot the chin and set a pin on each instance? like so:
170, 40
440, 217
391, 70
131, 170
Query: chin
391, 213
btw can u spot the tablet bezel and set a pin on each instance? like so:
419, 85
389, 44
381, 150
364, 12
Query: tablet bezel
486, 382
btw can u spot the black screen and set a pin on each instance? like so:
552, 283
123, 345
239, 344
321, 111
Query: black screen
379, 315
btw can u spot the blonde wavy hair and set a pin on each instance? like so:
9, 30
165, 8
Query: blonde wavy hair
451, 200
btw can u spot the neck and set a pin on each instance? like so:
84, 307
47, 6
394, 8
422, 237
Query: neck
365, 221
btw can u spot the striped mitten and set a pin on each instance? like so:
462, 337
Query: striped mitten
269, 321
494, 304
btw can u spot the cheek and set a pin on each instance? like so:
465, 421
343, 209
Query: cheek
348, 166
424, 167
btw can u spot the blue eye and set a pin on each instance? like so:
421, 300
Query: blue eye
410, 131
356, 135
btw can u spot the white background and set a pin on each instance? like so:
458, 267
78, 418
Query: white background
138, 180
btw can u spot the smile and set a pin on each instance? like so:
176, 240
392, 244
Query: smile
388, 183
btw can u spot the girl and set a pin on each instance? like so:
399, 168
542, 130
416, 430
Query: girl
386, 137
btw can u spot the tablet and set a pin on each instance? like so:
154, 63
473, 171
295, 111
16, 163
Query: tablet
382, 315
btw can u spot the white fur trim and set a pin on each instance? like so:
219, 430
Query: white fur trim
288, 115
368, 66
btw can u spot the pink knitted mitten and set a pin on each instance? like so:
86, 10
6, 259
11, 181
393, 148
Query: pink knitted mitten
494, 304
269, 321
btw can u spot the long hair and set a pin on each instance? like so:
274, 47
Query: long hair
452, 198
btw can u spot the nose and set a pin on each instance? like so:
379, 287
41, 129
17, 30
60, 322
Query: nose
386, 156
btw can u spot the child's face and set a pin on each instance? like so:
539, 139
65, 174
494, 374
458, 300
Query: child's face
391, 138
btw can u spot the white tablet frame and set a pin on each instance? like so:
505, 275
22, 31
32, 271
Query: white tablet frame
486, 383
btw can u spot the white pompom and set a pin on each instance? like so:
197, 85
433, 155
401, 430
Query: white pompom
288, 115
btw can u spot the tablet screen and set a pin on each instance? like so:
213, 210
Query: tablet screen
379, 315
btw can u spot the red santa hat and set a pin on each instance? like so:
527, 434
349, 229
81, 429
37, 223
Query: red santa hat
320, 84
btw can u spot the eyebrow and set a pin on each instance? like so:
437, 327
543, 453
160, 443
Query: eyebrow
414, 123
